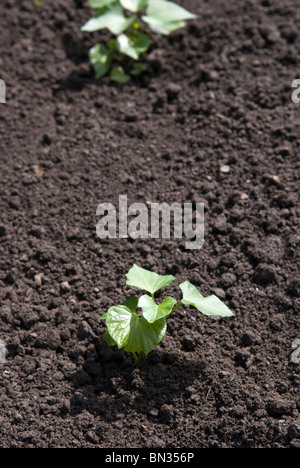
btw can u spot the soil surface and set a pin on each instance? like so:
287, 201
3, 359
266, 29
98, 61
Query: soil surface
217, 93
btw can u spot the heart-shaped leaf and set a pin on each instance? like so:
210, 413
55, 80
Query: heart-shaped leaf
119, 75
132, 332
167, 11
210, 305
147, 280
152, 311
164, 16
134, 5
100, 3
109, 340
103, 317
138, 68
118, 324
112, 18
144, 336
133, 47
163, 28
131, 304
101, 59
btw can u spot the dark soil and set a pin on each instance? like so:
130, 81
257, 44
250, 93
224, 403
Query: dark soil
216, 93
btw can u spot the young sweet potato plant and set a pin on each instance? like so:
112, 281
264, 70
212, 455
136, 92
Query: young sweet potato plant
140, 333
131, 22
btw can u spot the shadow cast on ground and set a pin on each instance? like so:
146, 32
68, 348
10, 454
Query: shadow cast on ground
109, 383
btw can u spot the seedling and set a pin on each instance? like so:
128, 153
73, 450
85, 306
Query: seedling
140, 333
131, 22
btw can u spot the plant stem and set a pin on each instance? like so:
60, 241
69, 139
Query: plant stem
176, 307
138, 358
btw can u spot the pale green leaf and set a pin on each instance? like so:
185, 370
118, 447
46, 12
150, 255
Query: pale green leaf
109, 340
131, 304
118, 324
119, 75
138, 68
164, 16
100, 58
163, 28
103, 317
145, 336
167, 11
112, 18
133, 47
132, 332
134, 5
146, 280
100, 3
152, 311
211, 305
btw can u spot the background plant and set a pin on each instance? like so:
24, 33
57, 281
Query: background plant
140, 333
131, 22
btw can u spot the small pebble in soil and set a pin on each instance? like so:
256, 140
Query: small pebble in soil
225, 169
65, 287
228, 280
38, 280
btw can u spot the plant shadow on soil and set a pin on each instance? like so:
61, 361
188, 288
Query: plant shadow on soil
76, 81
84, 75
110, 384
74, 49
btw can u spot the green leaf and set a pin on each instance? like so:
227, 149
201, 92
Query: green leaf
167, 11
132, 332
138, 68
152, 311
146, 280
163, 28
109, 340
118, 74
210, 305
133, 47
134, 5
100, 58
100, 3
118, 324
145, 336
112, 18
164, 16
131, 304
103, 317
